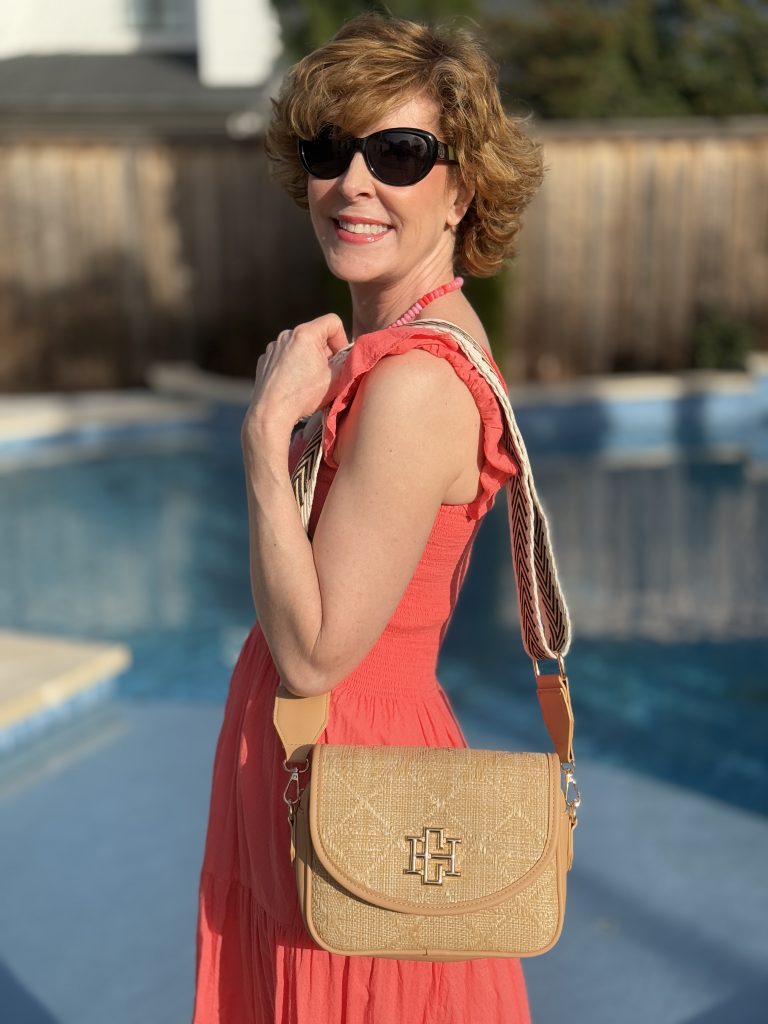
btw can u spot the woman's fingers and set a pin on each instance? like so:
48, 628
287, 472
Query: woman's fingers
326, 332
335, 335
296, 372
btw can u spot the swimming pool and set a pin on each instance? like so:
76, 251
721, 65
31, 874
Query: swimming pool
662, 554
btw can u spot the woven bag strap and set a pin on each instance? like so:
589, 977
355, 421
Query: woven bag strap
544, 620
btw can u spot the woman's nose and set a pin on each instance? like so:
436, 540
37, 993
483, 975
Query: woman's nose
357, 179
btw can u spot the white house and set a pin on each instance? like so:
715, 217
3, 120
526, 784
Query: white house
236, 41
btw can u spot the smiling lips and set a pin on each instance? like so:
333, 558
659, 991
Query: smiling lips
360, 231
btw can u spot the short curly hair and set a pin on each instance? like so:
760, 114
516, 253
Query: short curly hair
371, 66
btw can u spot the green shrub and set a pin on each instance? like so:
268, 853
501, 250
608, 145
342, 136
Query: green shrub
721, 341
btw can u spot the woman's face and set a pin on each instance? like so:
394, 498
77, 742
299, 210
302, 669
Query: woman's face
415, 222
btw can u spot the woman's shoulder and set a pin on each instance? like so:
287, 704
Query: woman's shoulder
454, 390
408, 387
430, 334
416, 344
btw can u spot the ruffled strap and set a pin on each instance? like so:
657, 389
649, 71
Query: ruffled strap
498, 464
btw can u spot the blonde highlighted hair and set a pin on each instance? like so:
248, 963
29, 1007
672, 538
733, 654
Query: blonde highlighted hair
375, 63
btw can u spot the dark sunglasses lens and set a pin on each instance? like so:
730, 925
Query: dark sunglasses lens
326, 157
399, 158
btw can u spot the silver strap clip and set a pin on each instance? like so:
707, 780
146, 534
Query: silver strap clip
570, 780
292, 799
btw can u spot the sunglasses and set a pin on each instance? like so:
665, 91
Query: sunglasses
396, 156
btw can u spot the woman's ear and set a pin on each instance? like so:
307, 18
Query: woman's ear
461, 194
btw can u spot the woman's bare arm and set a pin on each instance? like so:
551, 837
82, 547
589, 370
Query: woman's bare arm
323, 604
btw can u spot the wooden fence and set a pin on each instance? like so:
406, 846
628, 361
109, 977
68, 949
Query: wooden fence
118, 252
639, 229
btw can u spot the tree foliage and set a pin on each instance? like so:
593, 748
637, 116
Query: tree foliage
592, 58
307, 24
643, 58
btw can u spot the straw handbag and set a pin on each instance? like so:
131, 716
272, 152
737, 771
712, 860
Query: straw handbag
424, 853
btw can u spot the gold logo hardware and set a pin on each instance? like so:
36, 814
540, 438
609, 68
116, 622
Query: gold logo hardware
427, 855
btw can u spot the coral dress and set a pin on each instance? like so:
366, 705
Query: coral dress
255, 962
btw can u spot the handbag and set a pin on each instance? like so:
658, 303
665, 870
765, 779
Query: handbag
440, 854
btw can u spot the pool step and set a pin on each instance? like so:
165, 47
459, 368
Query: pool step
45, 680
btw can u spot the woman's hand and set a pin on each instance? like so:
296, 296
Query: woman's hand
294, 377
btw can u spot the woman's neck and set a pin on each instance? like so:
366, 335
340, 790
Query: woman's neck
375, 307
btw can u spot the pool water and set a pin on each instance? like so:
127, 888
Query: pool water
664, 563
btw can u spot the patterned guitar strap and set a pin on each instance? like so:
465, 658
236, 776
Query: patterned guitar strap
544, 620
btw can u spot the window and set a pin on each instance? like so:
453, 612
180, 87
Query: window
158, 15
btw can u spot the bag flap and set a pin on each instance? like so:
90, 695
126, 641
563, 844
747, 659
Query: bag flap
429, 830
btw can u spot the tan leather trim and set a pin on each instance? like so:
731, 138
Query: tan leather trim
299, 721
363, 892
304, 886
303, 852
555, 701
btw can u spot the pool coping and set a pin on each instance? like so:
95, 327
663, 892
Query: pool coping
184, 378
86, 416
182, 396
612, 416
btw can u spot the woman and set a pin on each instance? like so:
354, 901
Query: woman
412, 460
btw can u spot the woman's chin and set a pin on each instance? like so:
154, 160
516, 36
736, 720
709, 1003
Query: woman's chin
356, 272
